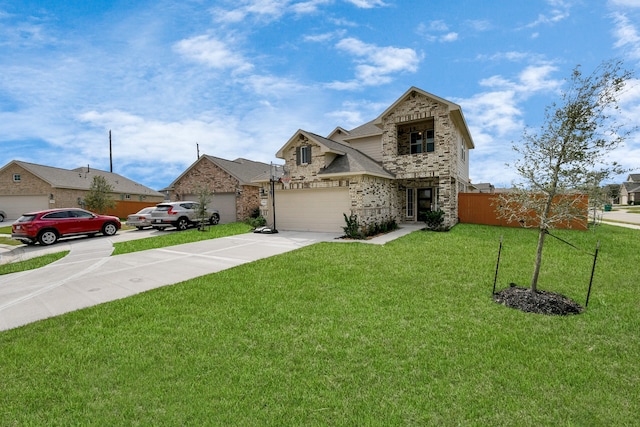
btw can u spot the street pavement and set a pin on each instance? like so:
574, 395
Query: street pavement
622, 218
89, 275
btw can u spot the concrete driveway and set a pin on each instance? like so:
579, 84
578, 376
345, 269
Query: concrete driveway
88, 275
621, 214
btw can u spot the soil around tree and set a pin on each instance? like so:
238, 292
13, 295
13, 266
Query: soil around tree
541, 302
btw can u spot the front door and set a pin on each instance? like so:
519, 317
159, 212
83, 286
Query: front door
425, 198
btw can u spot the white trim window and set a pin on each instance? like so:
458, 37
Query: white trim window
410, 203
17, 177
303, 155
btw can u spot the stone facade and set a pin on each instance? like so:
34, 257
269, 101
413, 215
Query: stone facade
438, 168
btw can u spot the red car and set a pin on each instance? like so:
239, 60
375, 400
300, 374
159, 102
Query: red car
48, 226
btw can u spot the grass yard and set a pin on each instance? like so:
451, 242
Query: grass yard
180, 237
32, 263
348, 334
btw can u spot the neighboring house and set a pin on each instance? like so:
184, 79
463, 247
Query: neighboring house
411, 159
26, 187
630, 190
235, 196
483, 187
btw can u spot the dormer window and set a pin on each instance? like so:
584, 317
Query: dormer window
303, 155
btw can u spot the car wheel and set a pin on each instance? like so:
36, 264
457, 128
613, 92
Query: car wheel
109, 229
140, 228
1, 218
48, 237
214, 219
182, 224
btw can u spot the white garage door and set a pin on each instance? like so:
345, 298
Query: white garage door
318, 209
15, 206
225, 203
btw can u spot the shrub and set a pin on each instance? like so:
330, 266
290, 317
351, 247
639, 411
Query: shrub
434, 220
256, 222
352, 229
355, 230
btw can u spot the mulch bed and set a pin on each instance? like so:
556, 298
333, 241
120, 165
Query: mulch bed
541, 302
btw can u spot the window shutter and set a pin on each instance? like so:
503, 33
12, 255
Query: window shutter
298, 160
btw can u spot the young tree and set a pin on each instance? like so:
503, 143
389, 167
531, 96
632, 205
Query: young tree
570, 148
98, 197
205, 197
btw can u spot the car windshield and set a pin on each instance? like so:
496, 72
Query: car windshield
26, 218
145, 211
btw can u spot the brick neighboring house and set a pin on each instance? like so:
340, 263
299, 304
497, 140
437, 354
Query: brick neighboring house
412, 158
630, 190
236, 196
26, 187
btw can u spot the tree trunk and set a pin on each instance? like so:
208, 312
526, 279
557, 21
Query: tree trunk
536, 268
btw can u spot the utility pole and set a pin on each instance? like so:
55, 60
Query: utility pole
110, 154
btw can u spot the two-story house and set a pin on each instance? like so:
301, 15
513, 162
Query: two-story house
630, 190
412, 158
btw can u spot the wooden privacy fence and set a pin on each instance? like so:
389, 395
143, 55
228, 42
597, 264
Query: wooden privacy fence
125, 208
478, 208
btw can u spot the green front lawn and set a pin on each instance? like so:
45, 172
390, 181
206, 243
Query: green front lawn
180, 237
32, 263
348, 334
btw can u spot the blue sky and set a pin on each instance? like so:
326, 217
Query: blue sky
240, 77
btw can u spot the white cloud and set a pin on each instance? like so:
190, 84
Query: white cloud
366, 4
324, 37
310, 6
626, 34
376, 65
270, 10
438, 26
559, 12
449, 37
535, 78
274, 86
626, 3
213, 53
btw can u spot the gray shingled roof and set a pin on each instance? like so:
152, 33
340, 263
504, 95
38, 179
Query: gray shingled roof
632, 187
366, 129
242, 169
352, 162
635, 177
81, 179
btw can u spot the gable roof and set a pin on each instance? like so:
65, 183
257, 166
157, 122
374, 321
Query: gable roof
81, 178
631, 187
348, 161
634, 177
241, 169
454, 110
362, 131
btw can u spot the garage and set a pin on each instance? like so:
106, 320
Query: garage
15, 206
318, 209
225, 203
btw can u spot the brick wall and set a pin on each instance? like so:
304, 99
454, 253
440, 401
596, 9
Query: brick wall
29, 184
208, 176
441, 165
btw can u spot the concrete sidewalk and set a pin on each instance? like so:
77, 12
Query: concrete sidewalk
88, 275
